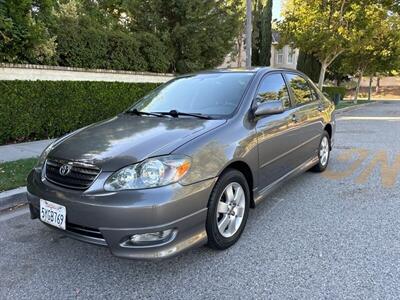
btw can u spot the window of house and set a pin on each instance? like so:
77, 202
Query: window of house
290, 57
272, 88
279, 56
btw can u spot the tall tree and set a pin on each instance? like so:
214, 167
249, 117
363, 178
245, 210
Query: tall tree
378, 47
309, 65
336, 72
325, 28
152, 35
266, 34
199, 33
262, 32
256, 32
24, 36
89, 36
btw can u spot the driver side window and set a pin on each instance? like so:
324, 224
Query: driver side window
272, 88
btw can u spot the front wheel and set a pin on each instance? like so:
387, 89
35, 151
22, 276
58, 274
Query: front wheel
323, 153
228, 210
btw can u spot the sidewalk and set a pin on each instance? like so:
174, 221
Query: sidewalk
23, 150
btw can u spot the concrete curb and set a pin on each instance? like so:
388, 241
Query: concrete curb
346, 109
9, 199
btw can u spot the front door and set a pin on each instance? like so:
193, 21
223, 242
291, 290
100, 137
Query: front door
275, 135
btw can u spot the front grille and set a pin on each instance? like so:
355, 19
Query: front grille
80, 176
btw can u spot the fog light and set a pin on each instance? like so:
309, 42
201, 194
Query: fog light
151, 238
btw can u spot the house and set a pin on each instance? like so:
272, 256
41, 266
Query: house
285, 57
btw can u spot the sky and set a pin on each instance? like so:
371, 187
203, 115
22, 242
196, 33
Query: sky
276, 9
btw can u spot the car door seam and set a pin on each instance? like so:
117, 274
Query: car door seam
290, 151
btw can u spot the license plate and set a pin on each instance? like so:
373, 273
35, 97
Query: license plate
53, 214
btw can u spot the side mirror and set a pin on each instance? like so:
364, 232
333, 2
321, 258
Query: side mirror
269, 108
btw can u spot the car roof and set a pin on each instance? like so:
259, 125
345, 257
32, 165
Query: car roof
246, 70
254, 71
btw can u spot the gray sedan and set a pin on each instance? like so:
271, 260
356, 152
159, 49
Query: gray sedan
183, 166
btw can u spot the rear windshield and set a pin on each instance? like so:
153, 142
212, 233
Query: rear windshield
216, 94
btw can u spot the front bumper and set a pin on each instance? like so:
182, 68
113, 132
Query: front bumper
110, 218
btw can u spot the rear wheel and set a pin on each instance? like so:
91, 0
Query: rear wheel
228, 210
323, 153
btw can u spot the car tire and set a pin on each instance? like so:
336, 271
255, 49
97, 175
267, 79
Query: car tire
228, 210
324, 151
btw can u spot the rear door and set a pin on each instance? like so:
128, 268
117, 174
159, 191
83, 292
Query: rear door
308, 121
274, 133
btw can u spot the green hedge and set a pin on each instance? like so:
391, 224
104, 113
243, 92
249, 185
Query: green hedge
31, 110
332, 90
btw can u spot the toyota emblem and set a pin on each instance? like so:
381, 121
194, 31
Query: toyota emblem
65, 170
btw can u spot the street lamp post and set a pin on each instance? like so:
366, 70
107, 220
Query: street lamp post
249, 29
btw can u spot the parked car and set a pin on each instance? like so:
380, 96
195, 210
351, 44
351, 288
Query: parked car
183, 166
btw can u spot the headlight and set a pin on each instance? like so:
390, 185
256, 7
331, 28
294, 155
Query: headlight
153, 172
43, 156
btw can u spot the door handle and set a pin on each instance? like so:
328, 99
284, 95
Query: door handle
294, 118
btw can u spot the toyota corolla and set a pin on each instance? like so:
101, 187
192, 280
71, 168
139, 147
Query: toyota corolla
182, 167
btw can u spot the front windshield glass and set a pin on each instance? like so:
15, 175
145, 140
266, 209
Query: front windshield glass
207, 94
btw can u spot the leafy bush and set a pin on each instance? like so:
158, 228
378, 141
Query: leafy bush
154, 35
80, 44
24, 35
32, 110
333, 90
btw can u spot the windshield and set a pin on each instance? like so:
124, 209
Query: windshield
206, 94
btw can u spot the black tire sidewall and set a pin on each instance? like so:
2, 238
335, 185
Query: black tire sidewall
215, 238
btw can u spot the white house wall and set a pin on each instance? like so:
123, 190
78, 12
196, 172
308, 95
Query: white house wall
285, 63
232, 60
35, 72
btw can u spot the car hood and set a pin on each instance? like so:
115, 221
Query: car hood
127, 139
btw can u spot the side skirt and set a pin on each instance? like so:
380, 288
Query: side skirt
277, 183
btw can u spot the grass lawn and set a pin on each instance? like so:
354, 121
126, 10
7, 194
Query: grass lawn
13, 174
347, 103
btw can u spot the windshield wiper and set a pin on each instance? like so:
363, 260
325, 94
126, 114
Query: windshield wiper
174, 113
139, 113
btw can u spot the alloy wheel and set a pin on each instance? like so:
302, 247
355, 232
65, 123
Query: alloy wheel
324, 151
230, 210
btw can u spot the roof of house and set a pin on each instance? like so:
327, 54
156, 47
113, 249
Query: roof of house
275, 37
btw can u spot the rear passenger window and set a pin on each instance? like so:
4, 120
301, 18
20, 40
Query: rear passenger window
273, 87
301, 89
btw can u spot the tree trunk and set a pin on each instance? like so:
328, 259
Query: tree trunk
239, 47
378, 81
357, 88
249, 29
370, 87
324, 65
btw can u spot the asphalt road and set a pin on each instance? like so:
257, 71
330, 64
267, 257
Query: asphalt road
331, 236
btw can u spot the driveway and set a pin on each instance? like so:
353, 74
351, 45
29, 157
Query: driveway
331, 236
